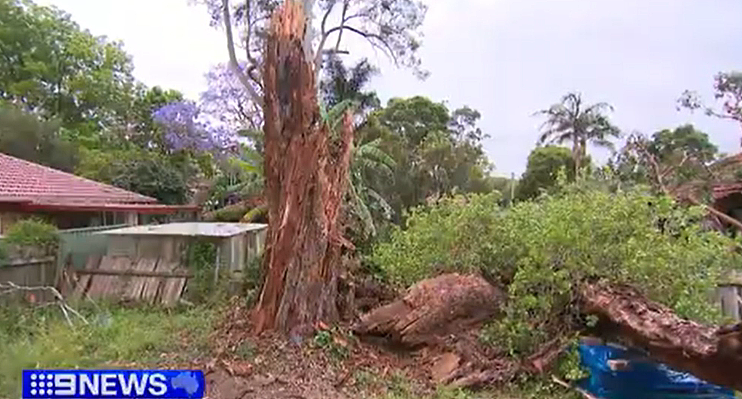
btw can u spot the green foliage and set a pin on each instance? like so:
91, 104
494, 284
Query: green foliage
143, 172
451, 236
542, 251
33, 233
254, 215
436, 152
201, 257
24, 135
41, 338
230, 213
571, 120
507, 187
325, 340
680, 156
51, 65
544, 164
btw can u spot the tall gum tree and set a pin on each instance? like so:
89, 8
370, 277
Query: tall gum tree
306, 171
305, 162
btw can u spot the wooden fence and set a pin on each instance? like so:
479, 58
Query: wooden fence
730, 296
32, 272
148, 280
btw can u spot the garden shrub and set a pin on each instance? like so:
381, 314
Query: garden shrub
542, 250
451, 236
33, 233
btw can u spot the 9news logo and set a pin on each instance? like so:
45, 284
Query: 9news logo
143, 384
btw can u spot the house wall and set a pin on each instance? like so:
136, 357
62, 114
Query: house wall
65, 220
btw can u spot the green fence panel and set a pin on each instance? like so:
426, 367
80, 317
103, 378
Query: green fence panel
79, 244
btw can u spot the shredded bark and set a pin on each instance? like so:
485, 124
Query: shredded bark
433, 308
305, 180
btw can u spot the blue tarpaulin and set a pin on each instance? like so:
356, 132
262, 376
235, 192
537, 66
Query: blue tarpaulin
640, 378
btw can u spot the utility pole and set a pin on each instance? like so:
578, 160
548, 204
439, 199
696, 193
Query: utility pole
512, 188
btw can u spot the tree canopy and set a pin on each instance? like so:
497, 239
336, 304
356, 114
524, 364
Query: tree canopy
542, 172
571, 120
53, 67
437, 152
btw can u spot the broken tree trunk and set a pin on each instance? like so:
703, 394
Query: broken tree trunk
449, 304
305, 180
433, 307
706, 352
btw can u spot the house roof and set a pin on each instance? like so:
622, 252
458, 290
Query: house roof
191, 229
33, 184
727, 168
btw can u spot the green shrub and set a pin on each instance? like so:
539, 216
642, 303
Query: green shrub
33, 233
451, 236
201, 257
541, 251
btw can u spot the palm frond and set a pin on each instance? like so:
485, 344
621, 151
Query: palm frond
372, 150
360, 210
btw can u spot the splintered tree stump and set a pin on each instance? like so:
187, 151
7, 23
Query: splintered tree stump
431, 308
306, 171
712, 354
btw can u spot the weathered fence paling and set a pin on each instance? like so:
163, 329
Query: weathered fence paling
134, 273
32, 272
730, 296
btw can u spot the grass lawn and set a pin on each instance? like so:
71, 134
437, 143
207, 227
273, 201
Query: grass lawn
147, 337
114, 337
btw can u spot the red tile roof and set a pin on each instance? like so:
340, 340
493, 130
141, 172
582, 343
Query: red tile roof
26, 182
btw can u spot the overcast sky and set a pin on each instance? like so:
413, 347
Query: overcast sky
505, 58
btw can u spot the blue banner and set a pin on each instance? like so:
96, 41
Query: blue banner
93, 384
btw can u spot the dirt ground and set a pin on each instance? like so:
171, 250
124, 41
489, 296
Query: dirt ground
329, 363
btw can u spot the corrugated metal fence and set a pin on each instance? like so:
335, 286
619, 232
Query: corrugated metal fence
76, 245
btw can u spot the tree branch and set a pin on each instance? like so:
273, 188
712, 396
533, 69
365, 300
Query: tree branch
342, 23
9, 287
233, 57
248, 33
323, 39
309, 17
368, 36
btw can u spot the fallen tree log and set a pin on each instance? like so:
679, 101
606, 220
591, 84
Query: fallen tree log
451, 303
709, 353
431, 308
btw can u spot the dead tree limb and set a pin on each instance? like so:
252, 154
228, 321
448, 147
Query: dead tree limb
706, 352
10, 287
447, 304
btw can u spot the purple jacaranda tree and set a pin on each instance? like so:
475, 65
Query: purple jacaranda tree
185, 128
227, 100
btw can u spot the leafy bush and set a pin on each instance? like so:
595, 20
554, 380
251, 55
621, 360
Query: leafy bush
541, 251
33, 233
451, 236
